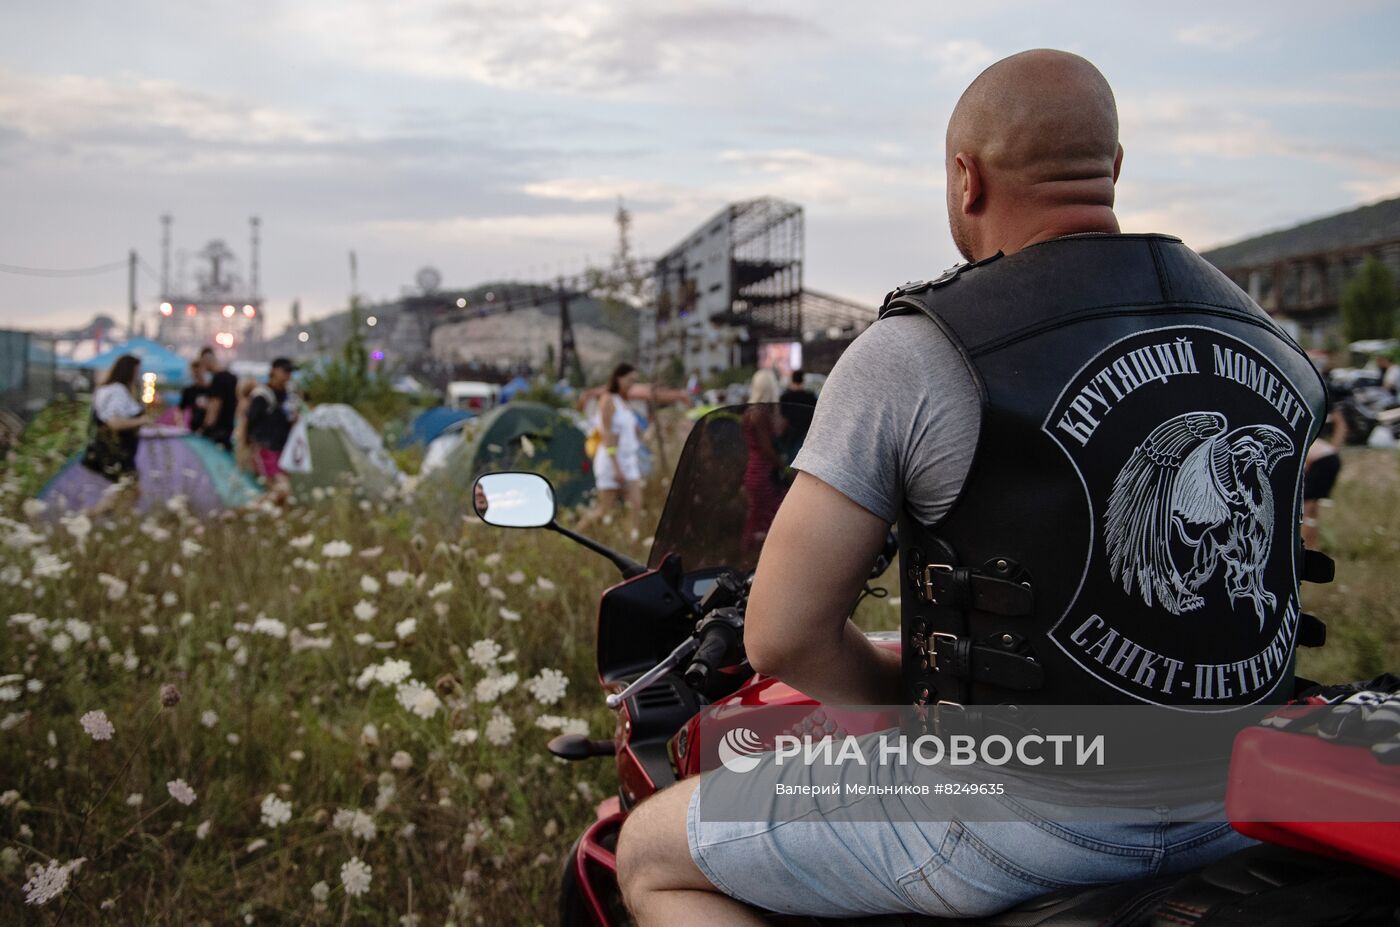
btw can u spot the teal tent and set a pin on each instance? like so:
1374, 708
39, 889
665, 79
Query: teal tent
169, 367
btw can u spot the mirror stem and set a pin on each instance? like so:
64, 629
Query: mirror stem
627, 565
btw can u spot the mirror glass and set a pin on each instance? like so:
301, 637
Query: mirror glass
514, 500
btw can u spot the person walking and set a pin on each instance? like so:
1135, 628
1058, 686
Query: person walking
272, 410
115, 432
617, 470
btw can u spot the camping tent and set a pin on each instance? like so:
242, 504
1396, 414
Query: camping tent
333, 445
169, 367
169, 462
428, 424
516, 436
513, 388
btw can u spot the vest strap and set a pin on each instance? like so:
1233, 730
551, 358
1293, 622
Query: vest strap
1312, 631
964, 588
1316, 567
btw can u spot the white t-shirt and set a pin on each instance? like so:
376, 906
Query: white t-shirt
115, 401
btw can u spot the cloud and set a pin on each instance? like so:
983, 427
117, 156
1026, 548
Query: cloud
960, 60
1215, 36
554, 45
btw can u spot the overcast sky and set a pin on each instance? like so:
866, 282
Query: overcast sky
491, 138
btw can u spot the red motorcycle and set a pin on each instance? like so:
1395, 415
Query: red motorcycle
670, 647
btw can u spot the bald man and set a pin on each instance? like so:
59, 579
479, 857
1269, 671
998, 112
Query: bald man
1054, 388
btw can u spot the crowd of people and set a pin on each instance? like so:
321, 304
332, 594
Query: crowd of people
250, 420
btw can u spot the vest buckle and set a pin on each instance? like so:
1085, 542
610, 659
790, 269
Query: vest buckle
933, 638
931, 585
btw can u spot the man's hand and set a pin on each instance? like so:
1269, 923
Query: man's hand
815, 561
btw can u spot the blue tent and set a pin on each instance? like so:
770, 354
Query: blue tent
428, 424
170, 367
518, 385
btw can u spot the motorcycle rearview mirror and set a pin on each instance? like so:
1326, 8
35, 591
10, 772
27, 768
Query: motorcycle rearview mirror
517, 499
514, 500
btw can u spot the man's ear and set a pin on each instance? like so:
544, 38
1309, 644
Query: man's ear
971, 177
1118, 162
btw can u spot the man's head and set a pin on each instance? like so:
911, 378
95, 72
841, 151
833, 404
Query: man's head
1032, 153
208, 360
280, 373
797, 377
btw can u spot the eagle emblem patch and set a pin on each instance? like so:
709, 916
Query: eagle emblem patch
1189, 444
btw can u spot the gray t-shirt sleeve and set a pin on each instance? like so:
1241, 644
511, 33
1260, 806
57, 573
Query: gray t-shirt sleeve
897, 420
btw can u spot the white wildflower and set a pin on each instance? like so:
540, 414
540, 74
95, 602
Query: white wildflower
136, 799
202, 831
97, 725
363, 639
401, 760
419, 699
355, 876
320, 891
509, 614
500, 729
406, 628
398, 578
181, 791
336, 549
275, 811
255, 845
79, 526
369, 585
484, 653
515, 578
392, 672
494, 686
442, 588
302, 542
492, 558
48, 882
209, 718
365, 610
190, 548
369, 735
464, 737
484, 580
548, 687
269, 626
80, 631
10, 693
545, 585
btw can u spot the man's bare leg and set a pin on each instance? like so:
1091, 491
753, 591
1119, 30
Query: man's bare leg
660, 882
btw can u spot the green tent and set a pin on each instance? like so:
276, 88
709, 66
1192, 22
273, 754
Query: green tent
344, 450
516, 436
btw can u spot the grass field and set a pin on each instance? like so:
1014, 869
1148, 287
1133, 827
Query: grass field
364, 694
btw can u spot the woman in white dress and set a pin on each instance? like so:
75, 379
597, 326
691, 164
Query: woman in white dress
617, 468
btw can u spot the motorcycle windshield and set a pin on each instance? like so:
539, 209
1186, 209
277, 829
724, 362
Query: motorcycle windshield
731, 477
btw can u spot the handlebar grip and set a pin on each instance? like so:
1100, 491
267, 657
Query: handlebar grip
718, 639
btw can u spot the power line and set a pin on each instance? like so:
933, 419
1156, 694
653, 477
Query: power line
55, 272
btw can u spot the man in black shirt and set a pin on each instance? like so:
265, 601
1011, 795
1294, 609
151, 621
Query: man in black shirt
222, 401
798, 419
194, 398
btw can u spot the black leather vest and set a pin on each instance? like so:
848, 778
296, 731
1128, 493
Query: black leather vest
1128, 531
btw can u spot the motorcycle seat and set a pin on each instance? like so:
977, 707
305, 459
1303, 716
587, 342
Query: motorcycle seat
1257, 887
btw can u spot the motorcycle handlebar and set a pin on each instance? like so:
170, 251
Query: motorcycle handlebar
717, 640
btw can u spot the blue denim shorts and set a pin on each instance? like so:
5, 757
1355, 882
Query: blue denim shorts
846, 868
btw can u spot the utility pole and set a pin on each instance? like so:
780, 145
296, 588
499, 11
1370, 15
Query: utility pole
568, 354
165, 256
131, 295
